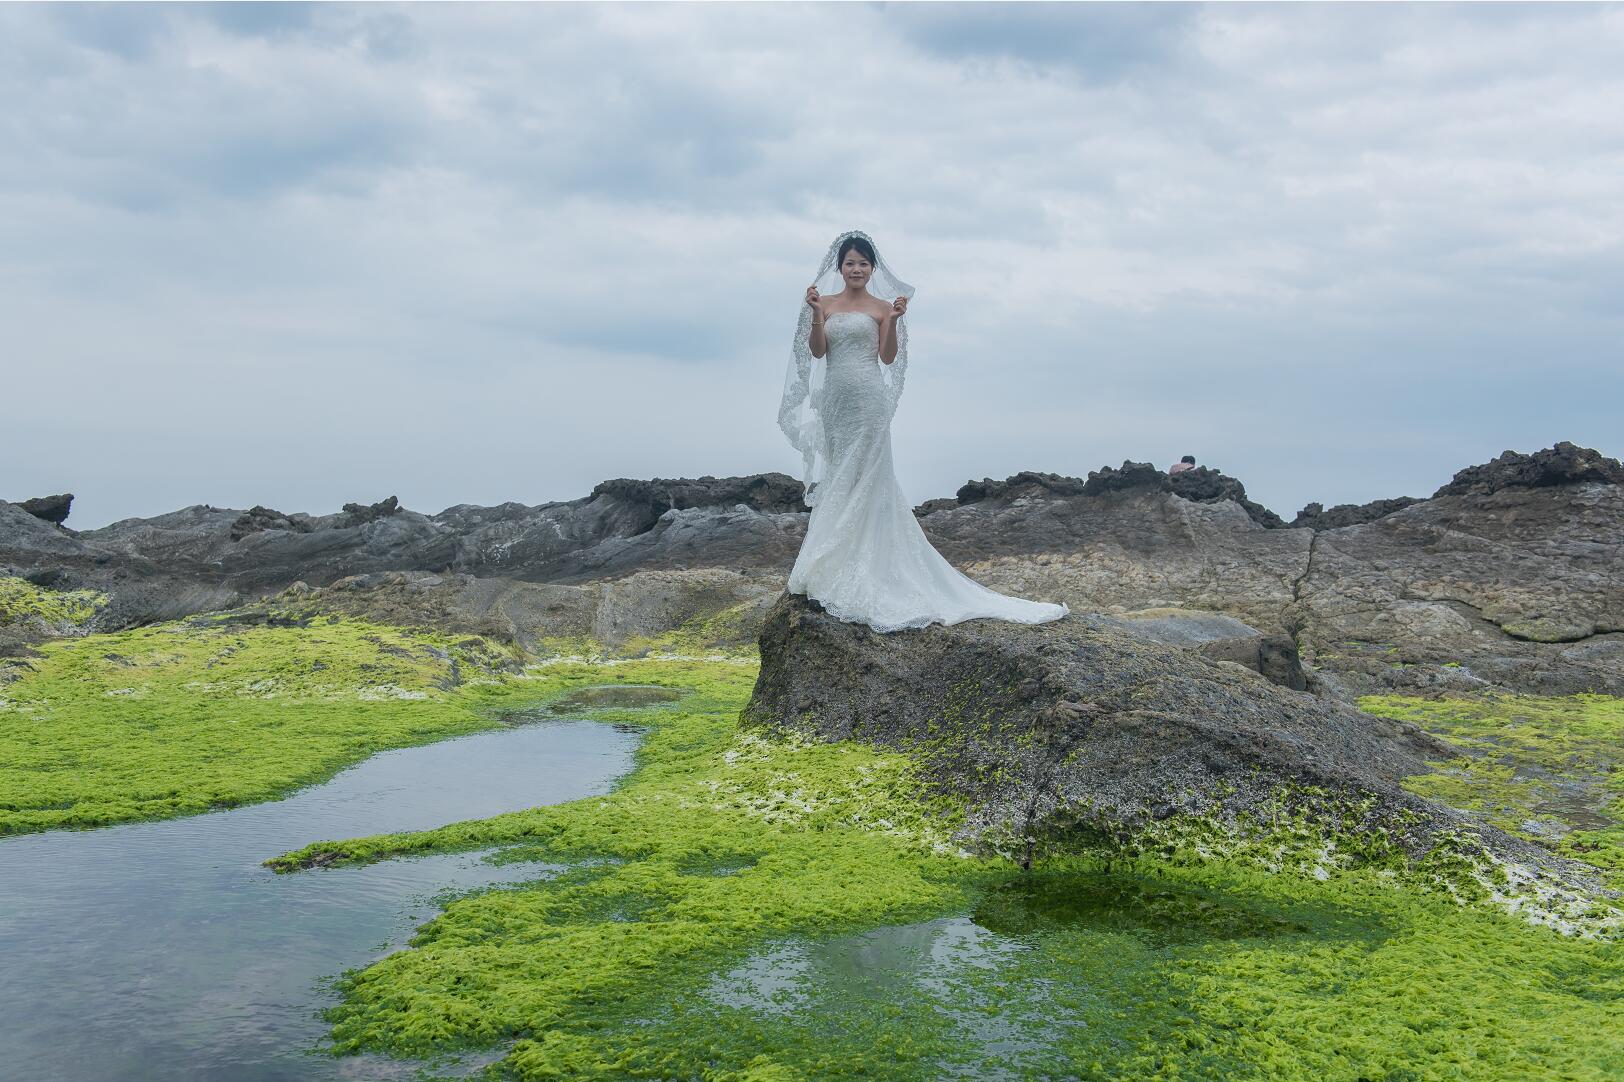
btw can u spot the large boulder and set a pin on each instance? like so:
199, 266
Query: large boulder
1073, 733
52, 509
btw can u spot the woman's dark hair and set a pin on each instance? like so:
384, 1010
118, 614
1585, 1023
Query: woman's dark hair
864, 249
1188, 458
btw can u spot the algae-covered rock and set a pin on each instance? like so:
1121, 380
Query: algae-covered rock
1077, 733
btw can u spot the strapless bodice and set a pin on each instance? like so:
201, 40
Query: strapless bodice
853, 336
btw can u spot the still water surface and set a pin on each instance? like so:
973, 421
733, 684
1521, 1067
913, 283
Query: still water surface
163, 950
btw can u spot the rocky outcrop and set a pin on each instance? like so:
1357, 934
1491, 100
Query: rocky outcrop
1518, 588
1511, 579
258, 518
223, 557
1314, 516
1070, 733
1020, 486
1506, 578
1563, 464
52, 509
1200, 485
357, 514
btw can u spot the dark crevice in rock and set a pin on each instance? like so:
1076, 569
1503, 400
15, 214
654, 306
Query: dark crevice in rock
1308, 568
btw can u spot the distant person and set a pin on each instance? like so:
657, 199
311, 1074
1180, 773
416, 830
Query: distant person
1185, 463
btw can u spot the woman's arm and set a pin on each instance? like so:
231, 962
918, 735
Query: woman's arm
816, 341
888, 337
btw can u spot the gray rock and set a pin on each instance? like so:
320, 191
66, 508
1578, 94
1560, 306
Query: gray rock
1216, 636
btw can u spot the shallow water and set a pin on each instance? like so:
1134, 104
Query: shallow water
164, 950
1005, 986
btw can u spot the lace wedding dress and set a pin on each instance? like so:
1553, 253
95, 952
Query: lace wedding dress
865, 558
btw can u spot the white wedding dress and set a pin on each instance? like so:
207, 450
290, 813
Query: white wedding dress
865, 558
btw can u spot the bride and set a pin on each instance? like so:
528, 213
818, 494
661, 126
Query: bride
864, 558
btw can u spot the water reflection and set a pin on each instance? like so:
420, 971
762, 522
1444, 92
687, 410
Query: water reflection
1156, 915
615, 697
989, 977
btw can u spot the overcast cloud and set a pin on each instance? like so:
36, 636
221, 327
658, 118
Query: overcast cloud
302, 255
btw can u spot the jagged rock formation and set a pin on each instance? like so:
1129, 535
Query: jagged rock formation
1314, 516
52, 509
1563, 464
1066, 732
1505, 578
1200, 485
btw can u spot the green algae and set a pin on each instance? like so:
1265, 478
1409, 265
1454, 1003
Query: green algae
184, 717
1246, 980
21, 601
1550, 769
728, 858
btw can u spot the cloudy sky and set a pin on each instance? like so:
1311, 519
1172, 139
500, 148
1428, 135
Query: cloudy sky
302, 255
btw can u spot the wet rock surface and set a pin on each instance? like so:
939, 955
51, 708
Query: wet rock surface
1077, 730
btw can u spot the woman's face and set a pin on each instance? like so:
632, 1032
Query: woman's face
855, 269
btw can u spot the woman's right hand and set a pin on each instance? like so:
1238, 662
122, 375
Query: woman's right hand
812, 298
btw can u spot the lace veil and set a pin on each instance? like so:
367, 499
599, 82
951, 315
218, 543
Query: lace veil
800, 410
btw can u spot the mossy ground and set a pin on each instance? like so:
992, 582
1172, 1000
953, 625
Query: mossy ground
1548, 769
179, 718
21, 601
723, 848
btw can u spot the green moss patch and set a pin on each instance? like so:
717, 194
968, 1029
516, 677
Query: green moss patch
1550, 769
21, 600
187, 716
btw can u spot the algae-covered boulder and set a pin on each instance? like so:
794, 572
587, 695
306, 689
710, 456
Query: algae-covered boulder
1078, 733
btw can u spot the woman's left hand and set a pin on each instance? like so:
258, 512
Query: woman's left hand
899, 307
